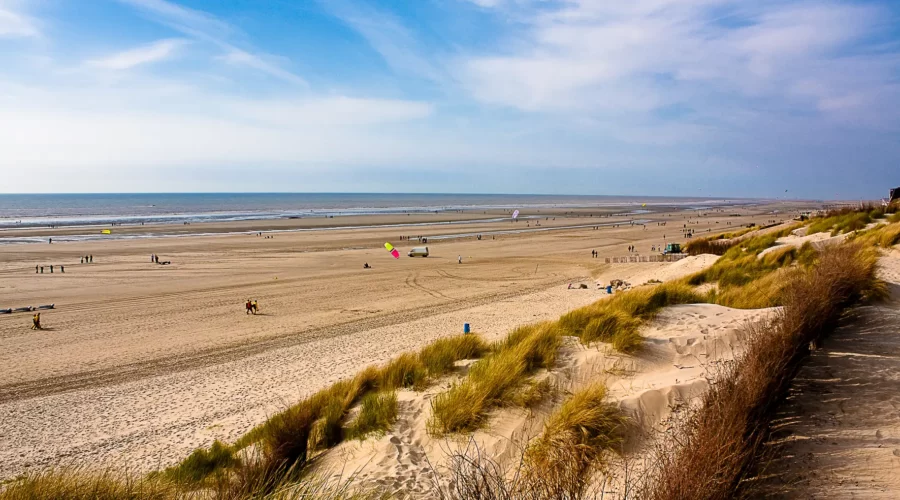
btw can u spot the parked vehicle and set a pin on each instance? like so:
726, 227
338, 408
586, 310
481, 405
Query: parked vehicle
418, 252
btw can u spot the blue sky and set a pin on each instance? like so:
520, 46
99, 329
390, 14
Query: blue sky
655, 97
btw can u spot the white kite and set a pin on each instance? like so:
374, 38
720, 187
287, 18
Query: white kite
515, 214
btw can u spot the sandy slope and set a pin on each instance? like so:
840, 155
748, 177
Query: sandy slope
841, 426
684, 344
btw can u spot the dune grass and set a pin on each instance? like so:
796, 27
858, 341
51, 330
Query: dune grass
846, 220
746, 280
318, 422
578, 433
202, 463
719, 442
377, 414
87, 485
495, 380
617, 319
884, 236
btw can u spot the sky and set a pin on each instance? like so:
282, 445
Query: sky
788, 98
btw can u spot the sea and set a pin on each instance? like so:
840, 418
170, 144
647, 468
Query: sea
18, 211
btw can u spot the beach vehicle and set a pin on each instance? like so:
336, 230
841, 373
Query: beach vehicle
418, 252
672, 248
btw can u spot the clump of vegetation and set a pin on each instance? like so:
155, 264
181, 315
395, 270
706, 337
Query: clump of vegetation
494, 380
577, 436
377, 414
85, 485
884, 236
845, 220
616, 320
720, 441
202, 463
747, 280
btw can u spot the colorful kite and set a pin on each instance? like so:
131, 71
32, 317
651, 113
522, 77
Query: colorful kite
515, 214
390, 248
106, 231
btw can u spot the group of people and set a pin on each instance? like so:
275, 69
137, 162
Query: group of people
252, 306
594, 254
87, 259
40, 269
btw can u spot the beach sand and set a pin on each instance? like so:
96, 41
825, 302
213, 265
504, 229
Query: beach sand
141, 363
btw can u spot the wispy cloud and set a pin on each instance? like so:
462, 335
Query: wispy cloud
150, 53
208, 28
259, 62
388, 36
648, 54
14, 24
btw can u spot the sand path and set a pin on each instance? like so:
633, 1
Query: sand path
840, 429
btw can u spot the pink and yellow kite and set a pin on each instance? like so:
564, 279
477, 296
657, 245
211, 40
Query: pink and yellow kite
390, 248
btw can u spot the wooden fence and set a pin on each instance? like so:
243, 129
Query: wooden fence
645, 258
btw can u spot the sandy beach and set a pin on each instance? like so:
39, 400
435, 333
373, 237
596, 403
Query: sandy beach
141, 363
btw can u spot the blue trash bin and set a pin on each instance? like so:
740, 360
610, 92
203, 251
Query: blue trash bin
465, 328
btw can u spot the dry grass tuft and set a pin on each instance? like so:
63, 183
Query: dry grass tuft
494, 380
83, 485
577, 436
617, 320
378, 413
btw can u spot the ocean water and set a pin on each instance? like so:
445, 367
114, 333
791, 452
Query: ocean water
19, 211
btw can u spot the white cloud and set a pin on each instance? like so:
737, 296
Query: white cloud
241, 58
389, 37
207, 28
602, 57
153, 52
14, 25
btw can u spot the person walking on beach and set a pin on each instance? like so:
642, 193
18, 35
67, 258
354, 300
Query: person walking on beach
92, 259
459, 259
51, 269
35, 269
249, 306
255, 307
62, 269
36, 322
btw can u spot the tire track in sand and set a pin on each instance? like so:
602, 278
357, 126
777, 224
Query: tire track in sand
198, 359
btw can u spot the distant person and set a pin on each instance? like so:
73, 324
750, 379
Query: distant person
36, 322
42, 269
366, 266
249, 306
62, 269
92, 259
35, 269
255, 307
152, 258
82, 260
51, 241
459, 259
51, 269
